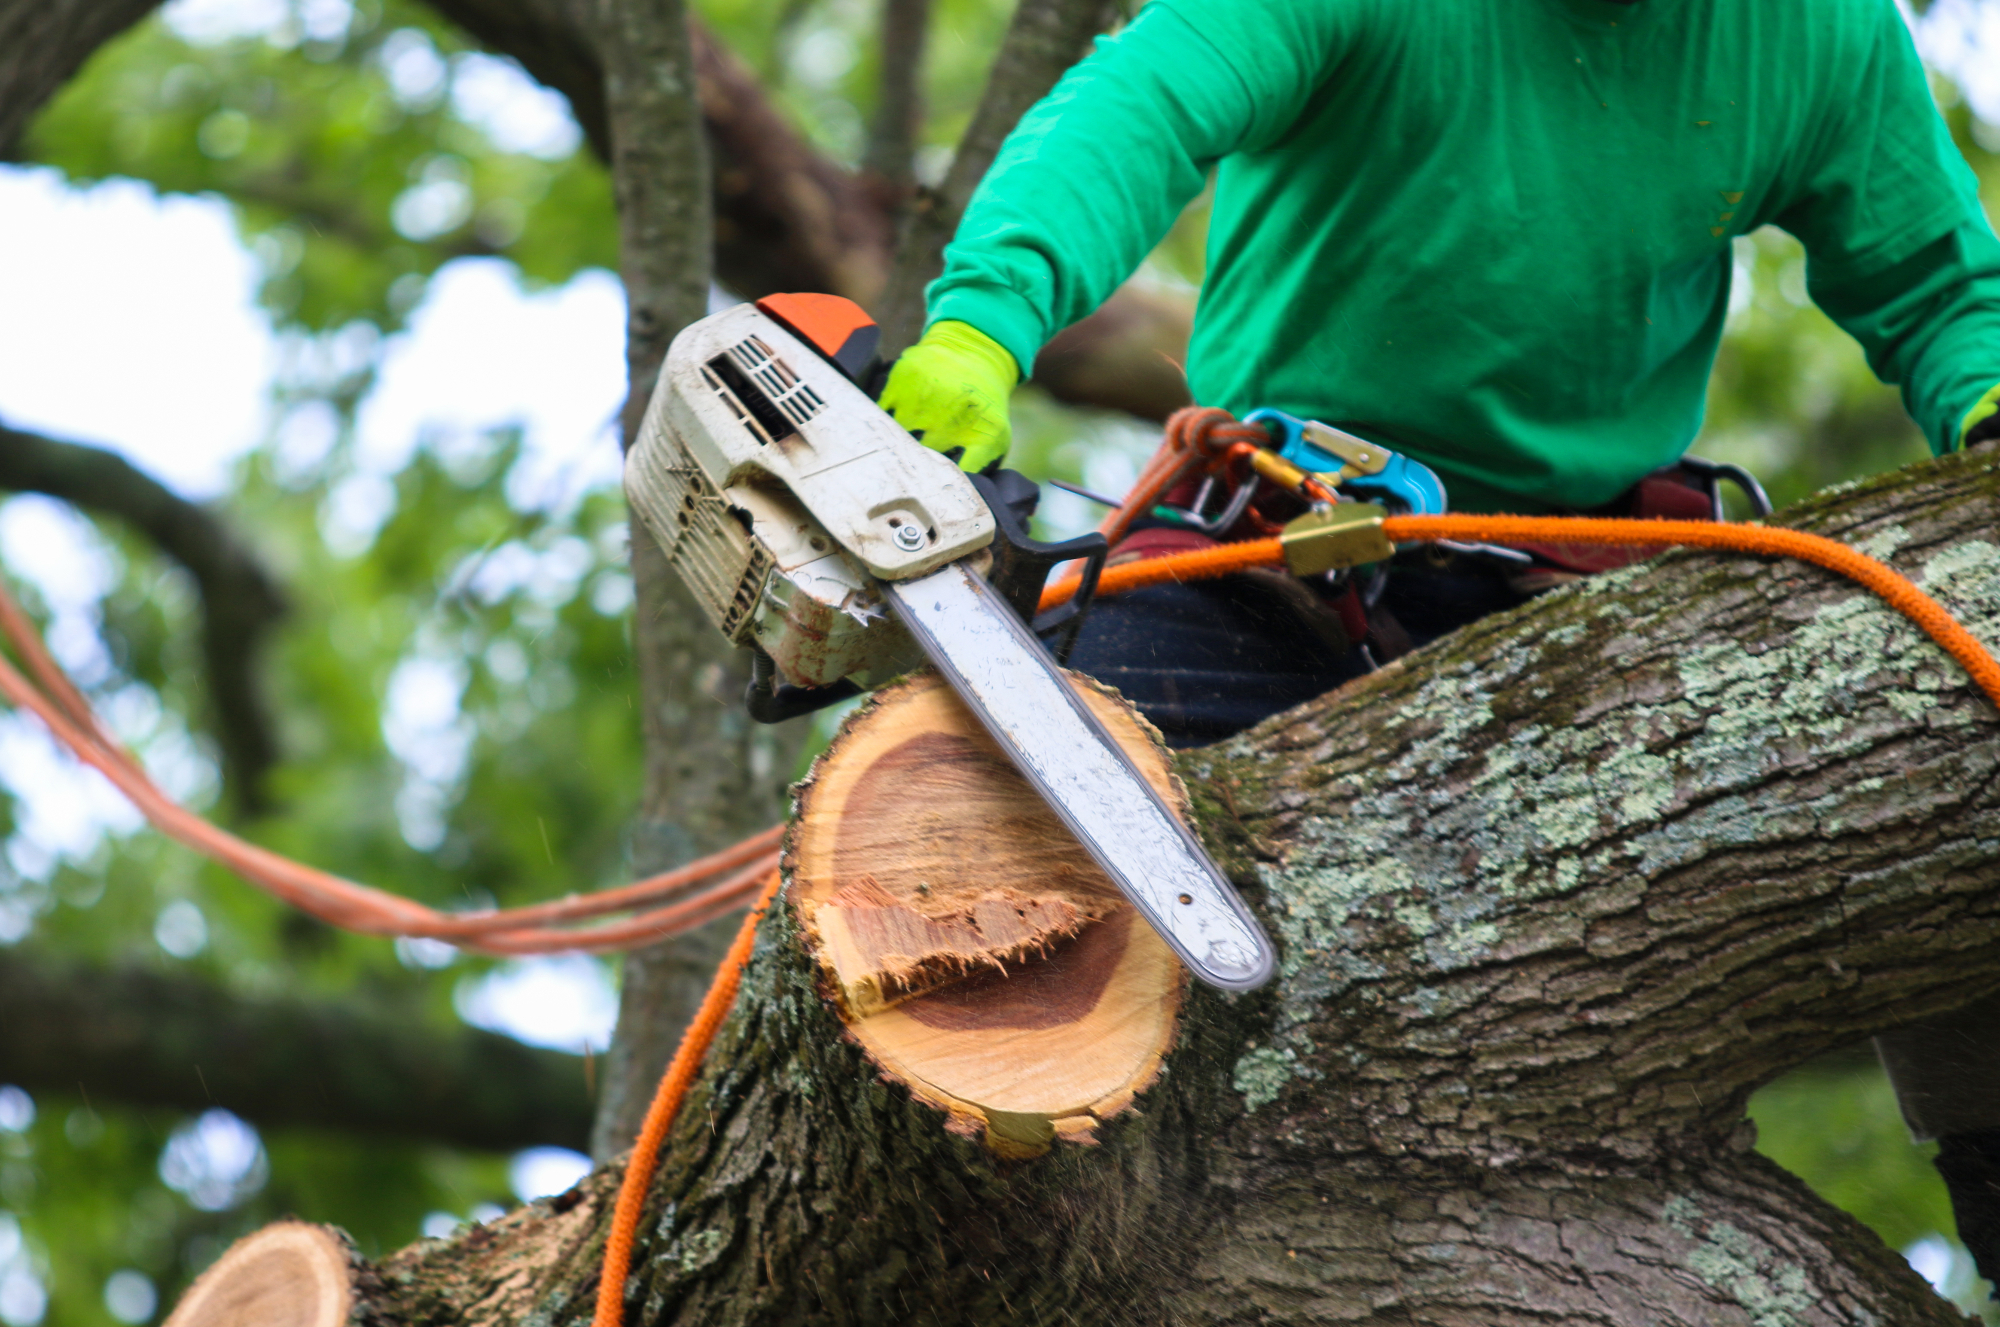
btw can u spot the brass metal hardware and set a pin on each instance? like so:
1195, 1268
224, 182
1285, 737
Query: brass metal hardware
1362, 457
1345, 535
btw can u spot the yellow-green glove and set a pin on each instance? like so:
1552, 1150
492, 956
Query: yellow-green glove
952, 388
1981, 414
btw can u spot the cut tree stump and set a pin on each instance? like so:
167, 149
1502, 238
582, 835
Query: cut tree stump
285, 1275
972, 946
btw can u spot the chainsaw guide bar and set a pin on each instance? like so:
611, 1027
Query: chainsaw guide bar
813, 527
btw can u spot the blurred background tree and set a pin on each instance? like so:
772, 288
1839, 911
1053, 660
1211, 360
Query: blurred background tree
447, 704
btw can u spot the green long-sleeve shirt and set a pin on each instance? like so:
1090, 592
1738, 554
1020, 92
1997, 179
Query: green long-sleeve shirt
1495, 234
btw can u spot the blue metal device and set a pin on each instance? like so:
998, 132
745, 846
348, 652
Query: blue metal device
1356, 466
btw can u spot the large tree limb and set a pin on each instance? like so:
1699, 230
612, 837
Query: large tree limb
1554, 896
240, 601
152, 1038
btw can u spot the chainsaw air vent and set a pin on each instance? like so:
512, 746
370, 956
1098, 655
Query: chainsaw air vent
765, 394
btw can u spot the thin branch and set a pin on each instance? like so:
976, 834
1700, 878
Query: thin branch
174, 1039
659, 173
240, 600
1045, 39
892, 140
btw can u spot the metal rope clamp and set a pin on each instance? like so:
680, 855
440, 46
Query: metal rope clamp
1348, 534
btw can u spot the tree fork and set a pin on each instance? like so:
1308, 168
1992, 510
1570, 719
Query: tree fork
1554, 896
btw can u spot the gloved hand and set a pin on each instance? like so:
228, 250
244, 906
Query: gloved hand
952, 386
1983, 421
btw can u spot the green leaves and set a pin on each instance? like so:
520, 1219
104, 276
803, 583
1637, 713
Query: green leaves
357, 160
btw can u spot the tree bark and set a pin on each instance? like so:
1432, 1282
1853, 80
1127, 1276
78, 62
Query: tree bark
892, 138
145, 1037
1554, 896
240, 600
711, 776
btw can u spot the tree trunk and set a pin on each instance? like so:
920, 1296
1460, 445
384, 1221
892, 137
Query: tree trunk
1554, 896
711, 776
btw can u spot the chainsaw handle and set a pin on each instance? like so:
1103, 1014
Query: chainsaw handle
1022, 563
769, 700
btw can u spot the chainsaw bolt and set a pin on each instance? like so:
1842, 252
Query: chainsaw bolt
909, 538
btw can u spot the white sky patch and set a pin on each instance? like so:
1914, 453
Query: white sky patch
1961, 39
215, 1161
208, 22
129, 1296
565, 1002
415, 70
511, 109
46, 543
540, 1172
64, 808
130, 322
480, 354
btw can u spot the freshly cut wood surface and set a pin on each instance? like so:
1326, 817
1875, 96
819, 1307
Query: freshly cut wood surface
285, 1275
978, 953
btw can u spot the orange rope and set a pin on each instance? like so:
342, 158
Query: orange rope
1201, 565
1894, 588
691, 895
1198, 437
660, 1115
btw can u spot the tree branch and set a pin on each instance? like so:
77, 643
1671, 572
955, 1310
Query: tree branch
710, 778
892, 139
154, 1038
240, 601
1045, 38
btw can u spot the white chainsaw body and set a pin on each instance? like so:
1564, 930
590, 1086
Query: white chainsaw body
780, 493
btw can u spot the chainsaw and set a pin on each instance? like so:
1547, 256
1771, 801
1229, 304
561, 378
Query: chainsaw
813, 529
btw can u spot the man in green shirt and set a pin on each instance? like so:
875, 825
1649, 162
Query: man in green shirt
1493, 236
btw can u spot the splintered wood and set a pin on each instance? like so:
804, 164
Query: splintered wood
977, 952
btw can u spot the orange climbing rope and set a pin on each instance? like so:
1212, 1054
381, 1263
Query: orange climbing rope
664, 905
1894, 588
667, 1104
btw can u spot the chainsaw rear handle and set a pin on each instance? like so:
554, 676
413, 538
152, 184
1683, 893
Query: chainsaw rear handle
769, 699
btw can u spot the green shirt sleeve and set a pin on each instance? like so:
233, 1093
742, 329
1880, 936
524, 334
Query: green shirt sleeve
1900, 252
1097, 172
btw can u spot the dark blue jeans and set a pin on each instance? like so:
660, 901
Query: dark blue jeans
1205, 660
